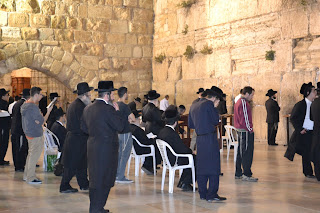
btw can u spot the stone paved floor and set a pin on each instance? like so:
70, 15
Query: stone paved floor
281, 188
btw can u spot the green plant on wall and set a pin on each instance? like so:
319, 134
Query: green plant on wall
189, 53
187, 4
304, 2
185, 31
270, 55
160, 58
206, 50
7, 5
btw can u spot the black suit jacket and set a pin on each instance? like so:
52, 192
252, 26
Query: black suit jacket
142, 138
151, 115
61, 132
5, 122
16, 123
273, 109
315, 117
170, 136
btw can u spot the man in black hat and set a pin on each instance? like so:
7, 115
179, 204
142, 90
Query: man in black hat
169, 135
18, 138
273, 109
102, 120
301, 139
151, 114
133, 105
200, 91
4, 125
58, 127
74, 158
52, 116
204, 117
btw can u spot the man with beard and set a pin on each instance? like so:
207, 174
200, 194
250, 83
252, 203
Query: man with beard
18, 138
102, 120
74, 157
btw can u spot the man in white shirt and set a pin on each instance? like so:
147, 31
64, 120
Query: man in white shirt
164, 103
16, 98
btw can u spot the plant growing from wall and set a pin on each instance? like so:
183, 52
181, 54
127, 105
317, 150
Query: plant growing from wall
206, 50
304, 2
187, 4
160, 58
7, 5
270, 55
185, 31
189, 53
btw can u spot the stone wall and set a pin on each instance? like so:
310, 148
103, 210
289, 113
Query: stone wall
80, 40
239, 33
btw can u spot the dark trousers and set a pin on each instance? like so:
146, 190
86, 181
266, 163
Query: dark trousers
204, 191
19, 150
148, 163
68, 174
98, 198
306, 162
317, 170
272, 133
4, 140
186, 176
245, 154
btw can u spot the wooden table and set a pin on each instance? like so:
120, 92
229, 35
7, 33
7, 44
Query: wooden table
183, 123
220, 126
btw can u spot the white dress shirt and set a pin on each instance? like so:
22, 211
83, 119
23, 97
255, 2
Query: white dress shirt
308, 124
171, 127
164, 103
11, 107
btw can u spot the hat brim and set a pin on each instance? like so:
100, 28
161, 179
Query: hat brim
105, 90
272, 93
82, 92
154, 97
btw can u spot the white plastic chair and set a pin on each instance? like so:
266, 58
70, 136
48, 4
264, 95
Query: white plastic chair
162, 145
50, 148
140, 158
230, 130
224, 138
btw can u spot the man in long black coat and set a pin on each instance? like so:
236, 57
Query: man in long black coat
151, 114
52, 116
301, 138
4, 125
18, 138
203, 117
315, 146
102, 121
58, 127
272, 120
74, 157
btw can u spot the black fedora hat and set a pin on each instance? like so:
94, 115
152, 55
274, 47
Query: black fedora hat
304, 86
171, 114
53, 95
138, 99
200, 90
213, 93
217, 89
3, 92
105, 86
25, 93
271, 92
82, 88
152, 94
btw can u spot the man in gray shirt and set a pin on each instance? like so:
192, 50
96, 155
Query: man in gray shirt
32, 125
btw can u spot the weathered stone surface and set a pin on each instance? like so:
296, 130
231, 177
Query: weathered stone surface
48, 7
46, 34
8, 5
10, 50
105, 64
2, 55
90, 62
37, 61
3, 18
144, 75
56, 67
47, 63
137, 52
95, 49
118, 26
75, 66
29, 33
22, 46
57, 53
144, 40
97, 25
67, 58
18, 20
111, 75
74, 23
63, 35
127, 75
116, 38
99, 37
131, 39
138, 27
79, 48
83, 11
143, 15
82, 36
34, 46
39, 20
25, 59
147, 51
130, 3
120, 64
27, 6
147, 4
122, 13
112, 50
10, 33
138, 64
58, 22
100, 12
175, 69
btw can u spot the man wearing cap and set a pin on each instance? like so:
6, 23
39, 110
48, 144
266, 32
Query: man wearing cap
151, 115
133, 105
204, 118
74, 157
315, 146
52, 116
301, 139
4, 125
102, 120
200, 91
18, 138
58, 127
273, 109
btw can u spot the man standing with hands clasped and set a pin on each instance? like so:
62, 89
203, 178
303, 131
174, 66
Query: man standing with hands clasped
273, 109
102, 121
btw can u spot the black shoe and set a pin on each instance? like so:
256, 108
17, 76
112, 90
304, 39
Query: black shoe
37, 165
106, 210
147, 170
221, 174
274, 144
202, 198
84, 188
19, 170
70, 190
310, 176
4, 163
217, 198
186, 187
179, 184
35, 181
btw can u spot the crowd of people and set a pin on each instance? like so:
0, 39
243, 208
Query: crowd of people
96, 137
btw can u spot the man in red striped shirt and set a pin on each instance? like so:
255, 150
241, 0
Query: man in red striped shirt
243, 122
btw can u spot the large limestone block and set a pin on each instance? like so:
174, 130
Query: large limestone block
64, 35
127, 75
3, 18
65, 73
75, 66
116, 38
22, 46
47, 51
200, 66
46, 34
10, 50
57, 53
144, 86
118, 26
132, 86
120, 64
18, 20
34, 46
222, 61
99, 37
147, 51
131, 39
294, 24
160, 70
48, 7
110, 75
47, 63
105, 64
58, 22
61, 8
39, 21
137, 52
80, 48
260, 127
95, 49
37, 61
122, 13
12, 63
10, 33
2, 55
138, 27
147, 4
82, 36
175, 69
97, 25
83, 11
56, 67
144, 40
3, 69
74, 23
27, 6
25, 59
130, 3
112, 50
138, 64
90, 62
67, 58
100, 12
142, 15
145, 75
28, 33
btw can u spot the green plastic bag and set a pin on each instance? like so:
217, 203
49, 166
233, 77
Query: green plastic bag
51, 159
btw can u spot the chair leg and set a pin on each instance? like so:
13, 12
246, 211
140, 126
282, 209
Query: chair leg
136, 166
154, 164
180, 172
228, 151
171, 180
193, 179
164, 170
128, 165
